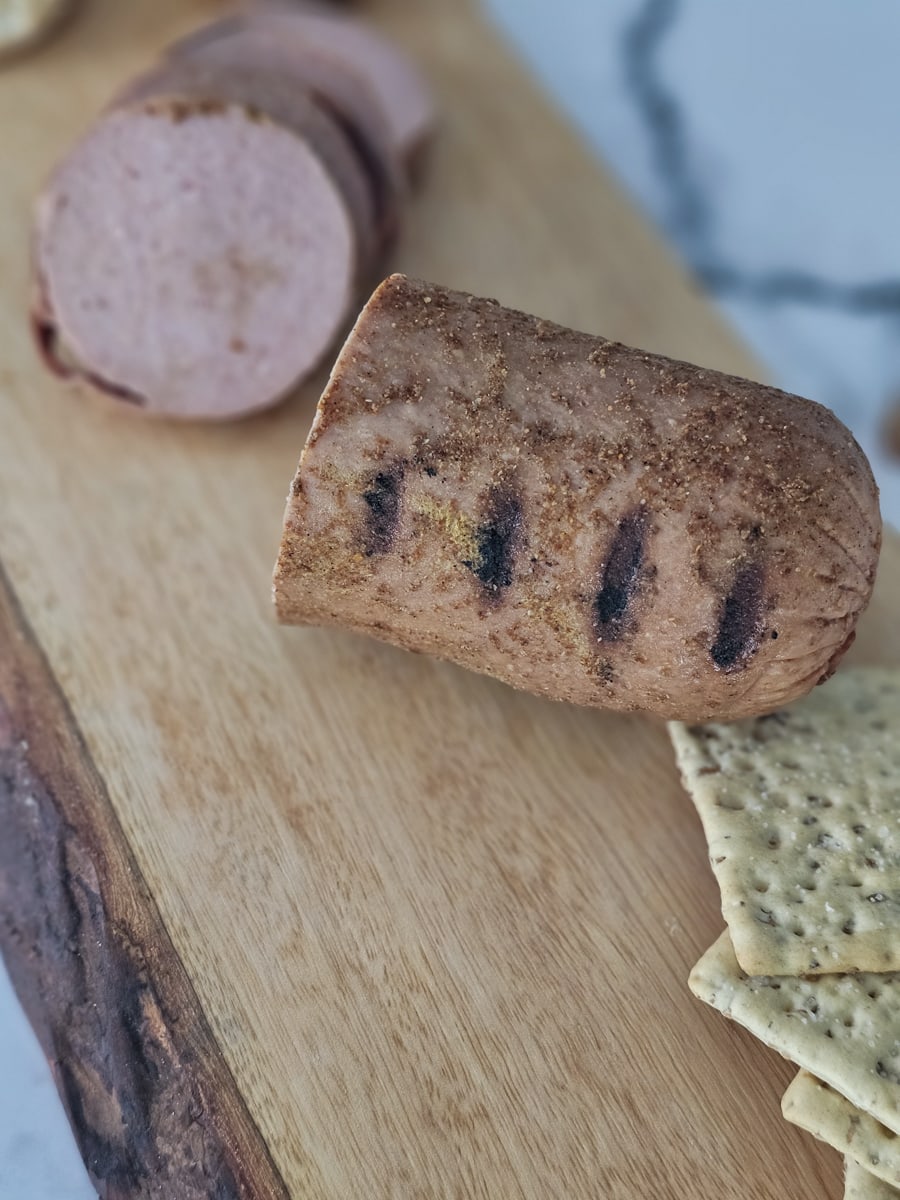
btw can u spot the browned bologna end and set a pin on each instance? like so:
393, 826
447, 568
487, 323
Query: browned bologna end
575, 517
190, 287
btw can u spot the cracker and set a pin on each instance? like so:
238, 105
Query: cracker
844, 1029
801, 811
831, 1118
860, 1184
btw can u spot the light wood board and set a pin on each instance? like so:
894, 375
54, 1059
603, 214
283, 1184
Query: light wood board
405, 932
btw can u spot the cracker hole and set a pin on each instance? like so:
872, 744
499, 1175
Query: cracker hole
859, 829
798, 930
847, 1022
808, 885
828, 1033
730, 804
761, 886
873, 993
849, 926
774, 841
710, 771
827, 841
820, 801
855, 883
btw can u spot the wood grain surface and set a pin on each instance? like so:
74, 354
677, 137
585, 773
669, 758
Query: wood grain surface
433, 936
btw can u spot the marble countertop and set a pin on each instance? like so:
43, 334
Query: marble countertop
758, 135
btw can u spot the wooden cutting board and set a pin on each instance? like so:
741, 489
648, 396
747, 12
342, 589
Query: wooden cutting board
293, 913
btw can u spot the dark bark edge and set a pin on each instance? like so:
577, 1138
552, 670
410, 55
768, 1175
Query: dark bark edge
153, 1105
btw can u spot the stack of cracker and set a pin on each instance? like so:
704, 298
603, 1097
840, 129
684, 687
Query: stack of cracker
801, 811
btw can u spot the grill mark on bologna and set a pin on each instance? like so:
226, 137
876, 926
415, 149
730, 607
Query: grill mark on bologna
620, 577
496, 541
382, 499
742, 623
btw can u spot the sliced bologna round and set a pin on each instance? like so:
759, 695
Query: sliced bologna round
276, 95
577, 518
340, 91
198, 251
405, 97
347, 44
23, 23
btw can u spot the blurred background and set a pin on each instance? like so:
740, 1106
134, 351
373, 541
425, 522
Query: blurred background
759, 136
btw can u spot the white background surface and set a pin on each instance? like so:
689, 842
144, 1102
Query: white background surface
786, 111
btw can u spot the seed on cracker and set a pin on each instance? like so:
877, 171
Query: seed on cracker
860, 1184
831, 1118
801, 811
844, 1029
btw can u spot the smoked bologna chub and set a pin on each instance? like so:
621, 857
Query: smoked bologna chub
575, 517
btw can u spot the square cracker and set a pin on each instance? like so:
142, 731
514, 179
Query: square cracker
801, 811
844, 1029
860, 1184
831, 1118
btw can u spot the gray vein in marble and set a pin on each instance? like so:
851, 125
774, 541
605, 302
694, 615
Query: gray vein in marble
688, 217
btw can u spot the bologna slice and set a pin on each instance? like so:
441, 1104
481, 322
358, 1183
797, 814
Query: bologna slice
347, 99
197, 253
579, 519
348, 44
405, 97
277, 95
